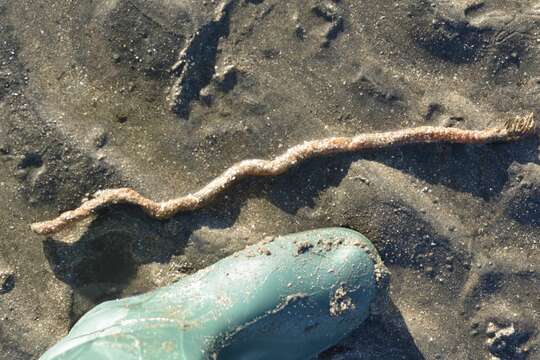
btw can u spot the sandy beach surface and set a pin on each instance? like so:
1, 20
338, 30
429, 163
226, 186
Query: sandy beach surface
164, 95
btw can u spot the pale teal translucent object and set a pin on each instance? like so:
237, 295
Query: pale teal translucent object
290, 298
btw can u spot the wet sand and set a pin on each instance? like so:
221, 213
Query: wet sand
163, 96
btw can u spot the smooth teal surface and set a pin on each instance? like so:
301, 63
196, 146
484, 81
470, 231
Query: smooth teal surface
268, 301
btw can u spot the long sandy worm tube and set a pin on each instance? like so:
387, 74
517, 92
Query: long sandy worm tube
514, 129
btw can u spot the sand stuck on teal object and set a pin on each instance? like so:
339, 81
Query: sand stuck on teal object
288, 298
